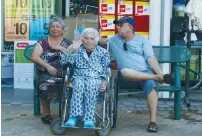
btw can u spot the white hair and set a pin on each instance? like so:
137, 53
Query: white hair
91, 31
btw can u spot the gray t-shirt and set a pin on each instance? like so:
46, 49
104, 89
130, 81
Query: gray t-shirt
139, 50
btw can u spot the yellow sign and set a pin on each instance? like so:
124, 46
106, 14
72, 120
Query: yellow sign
145, 34
141, 8
107, 7
125, 8
107, 34
16, 29
106, 22
42, 8
16, 8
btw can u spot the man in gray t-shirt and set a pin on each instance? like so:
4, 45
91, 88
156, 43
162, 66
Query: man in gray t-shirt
136, 62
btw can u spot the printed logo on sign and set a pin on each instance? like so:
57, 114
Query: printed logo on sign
22, 45
122, 8
104, 8
104, 23
140, 9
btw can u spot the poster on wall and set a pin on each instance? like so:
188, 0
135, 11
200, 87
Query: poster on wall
16, 29
125, 8
42, 8
19, 14
16, 8
107, 7
141, 8
107, 34
23, 68
106, 22
39, 28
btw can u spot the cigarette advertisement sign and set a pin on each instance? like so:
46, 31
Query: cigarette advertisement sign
16, 8
141, 8
16, 29
106, 22
23, 68
42, 8
39, 28
107, 34
107, 7
125, 8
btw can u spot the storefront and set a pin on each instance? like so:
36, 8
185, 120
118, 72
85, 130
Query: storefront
27, 20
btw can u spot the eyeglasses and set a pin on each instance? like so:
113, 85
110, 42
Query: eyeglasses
125, 46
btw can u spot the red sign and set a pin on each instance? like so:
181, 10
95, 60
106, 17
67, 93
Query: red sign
22, 45
104, 23
104, 7
122, 8
139, 9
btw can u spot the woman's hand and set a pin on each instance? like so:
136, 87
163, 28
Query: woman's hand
74, 46
52, 71
59, 47
103, 86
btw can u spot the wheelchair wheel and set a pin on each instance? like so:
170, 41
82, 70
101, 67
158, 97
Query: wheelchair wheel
105, 130
114, 101
56, 128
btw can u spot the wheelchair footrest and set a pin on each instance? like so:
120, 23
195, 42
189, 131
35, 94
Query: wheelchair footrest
95, 128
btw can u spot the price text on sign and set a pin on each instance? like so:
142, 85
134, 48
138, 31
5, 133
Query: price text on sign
16, 8
42, 8
16, 29
39, 28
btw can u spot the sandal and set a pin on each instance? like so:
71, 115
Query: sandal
152, 127
46, 119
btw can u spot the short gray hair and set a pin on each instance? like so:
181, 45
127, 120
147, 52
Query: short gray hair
91, 31
54, 18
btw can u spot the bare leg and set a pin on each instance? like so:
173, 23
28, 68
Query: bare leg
46, 107
134, 75
152, 101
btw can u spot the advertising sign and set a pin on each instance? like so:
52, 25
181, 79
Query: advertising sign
23, 68
125, 8
107, 7
141, 8
16, 8
16, 29
42, 8
106, 22
107, 34
39, 28
145, 34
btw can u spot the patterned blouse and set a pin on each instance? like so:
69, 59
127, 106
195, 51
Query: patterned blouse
94, 66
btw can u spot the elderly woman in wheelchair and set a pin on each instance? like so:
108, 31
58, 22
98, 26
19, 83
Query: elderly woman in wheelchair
90, 75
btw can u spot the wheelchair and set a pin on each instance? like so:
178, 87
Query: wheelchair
106, 108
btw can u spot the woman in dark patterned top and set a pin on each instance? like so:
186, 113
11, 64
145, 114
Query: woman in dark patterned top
47, 55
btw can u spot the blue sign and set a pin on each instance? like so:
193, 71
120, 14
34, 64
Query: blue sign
39, 28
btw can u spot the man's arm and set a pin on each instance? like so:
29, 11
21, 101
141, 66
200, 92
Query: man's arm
151, 59
154, 65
